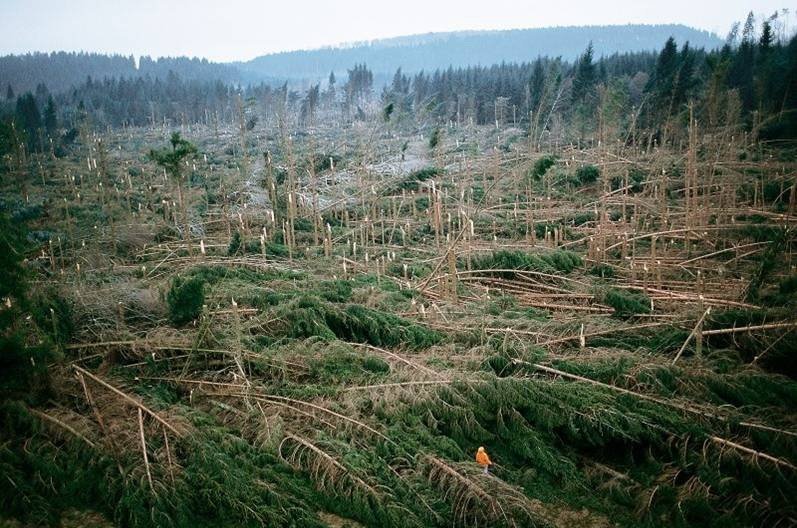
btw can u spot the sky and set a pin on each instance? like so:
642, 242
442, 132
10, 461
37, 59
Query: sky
230, 30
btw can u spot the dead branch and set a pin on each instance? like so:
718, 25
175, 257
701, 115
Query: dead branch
144, 448
59, 423
691, 334
129, 399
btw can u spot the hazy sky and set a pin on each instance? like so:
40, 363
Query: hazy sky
242, 29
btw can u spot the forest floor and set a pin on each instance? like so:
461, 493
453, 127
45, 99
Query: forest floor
355, 312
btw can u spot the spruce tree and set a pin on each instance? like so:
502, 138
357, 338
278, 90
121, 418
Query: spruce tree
29, 118
765, 42
50, 118
584, 81
172, 159
583, 94
536, 85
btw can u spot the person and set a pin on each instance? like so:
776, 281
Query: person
483, 459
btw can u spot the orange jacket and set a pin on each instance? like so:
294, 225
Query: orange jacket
482, 458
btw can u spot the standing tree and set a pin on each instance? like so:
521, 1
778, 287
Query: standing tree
584, 81
330, 95
29, 118
583, 94
309, 105
743, 65
670, 86
50, 118
172, 160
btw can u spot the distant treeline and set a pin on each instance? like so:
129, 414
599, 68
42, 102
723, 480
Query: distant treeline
473, 48
62, 71
747, 84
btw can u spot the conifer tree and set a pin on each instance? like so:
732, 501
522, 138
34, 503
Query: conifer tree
584, 81
172, 160
50, 118
28, 118
583, 94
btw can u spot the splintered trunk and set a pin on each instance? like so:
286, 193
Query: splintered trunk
113, 231
242, 132
452, 273
184, 213
328, 241
690, 183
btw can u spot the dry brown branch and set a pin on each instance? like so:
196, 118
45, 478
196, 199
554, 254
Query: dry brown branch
693, 297
397, 357
604, 332
735, 330
323, 467
753, 452
142, 343
168, 455
133, 401
63, 425
144, 448
406, 384
272, 398
720, 252
691, 334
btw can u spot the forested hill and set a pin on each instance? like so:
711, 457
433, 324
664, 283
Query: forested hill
440, 50
61, 71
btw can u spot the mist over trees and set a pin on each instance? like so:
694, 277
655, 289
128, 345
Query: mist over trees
62, 70
471, 48
639, 96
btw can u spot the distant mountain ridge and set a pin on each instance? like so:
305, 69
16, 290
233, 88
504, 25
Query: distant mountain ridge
432, 51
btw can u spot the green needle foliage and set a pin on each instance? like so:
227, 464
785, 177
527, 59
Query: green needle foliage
541, 166
26, 348
543, 433
434, 139
413, 180
310, 316
558, 261
587, 174
172, 159
626, 303
224, 481
185, 299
